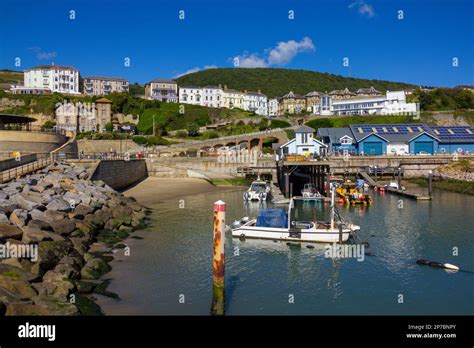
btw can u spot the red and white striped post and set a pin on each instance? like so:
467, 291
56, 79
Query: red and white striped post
218, 263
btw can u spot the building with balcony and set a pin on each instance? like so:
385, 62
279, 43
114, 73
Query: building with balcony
391, 103
162, 90
256, 102
56, 78
312, 102
273, 107
94, 85
191, 95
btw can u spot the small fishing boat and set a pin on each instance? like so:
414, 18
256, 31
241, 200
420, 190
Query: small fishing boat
258, 191
276, 223
309, 192
350, 193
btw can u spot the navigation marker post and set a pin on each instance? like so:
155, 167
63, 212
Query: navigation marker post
218, 262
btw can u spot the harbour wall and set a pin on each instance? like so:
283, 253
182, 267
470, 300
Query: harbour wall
96, 146
118, 174
24, 141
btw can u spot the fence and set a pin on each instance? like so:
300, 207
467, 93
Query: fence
19, 171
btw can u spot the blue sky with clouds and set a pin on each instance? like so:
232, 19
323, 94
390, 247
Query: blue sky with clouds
419, 48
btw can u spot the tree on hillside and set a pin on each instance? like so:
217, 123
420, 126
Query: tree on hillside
193, 129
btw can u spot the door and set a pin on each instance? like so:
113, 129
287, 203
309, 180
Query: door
373, 148
424, 147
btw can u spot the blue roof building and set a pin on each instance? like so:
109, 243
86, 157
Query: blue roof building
397, 139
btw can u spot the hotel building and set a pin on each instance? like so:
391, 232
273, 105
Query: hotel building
162, 90
61, 79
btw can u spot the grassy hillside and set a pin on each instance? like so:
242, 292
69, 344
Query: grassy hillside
277, 82
10, 76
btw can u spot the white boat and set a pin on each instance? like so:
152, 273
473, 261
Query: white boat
274, 224
394, 185
309, 192
258, 191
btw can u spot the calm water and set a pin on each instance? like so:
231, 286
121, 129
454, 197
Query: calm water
175, 259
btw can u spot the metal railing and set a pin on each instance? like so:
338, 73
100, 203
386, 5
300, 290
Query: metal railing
19, 171
30, 128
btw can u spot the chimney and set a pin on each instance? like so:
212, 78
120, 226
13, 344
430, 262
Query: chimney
220, 86
259, 91
225, 86
245, 91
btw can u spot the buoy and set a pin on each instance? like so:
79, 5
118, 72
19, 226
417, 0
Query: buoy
450, 266
438, 264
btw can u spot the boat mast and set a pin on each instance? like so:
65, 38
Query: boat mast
333, 193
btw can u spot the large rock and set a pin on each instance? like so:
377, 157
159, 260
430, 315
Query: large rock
102, 216
52, 306
17, 273
94, 268
58, 204
63, 227
19, 217
33, 234
26, 201
49, 255
4, 218
8, 206
73, 198
9, 231
26, 309
21, 288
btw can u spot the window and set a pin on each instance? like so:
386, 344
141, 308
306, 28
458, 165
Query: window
345, 140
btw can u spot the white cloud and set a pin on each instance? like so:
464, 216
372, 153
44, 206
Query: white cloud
282, 54
251, 61
196, 69
42, 55
363, 8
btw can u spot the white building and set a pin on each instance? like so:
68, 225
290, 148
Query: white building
391, 103
304, 143
273, 107
191, 95
212, 96
256, 102
61, 79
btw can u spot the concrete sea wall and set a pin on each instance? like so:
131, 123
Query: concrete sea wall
120, 174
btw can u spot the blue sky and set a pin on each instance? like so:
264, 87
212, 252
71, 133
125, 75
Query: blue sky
418, 48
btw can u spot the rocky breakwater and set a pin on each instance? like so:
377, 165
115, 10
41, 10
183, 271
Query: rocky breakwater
58, 231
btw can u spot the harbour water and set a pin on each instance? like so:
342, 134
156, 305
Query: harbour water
170, 270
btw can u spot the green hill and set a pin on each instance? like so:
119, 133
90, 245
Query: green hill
277, 82
10, 76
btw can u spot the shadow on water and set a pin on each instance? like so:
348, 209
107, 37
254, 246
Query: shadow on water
231, 285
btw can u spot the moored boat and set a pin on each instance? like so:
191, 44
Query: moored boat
276, 223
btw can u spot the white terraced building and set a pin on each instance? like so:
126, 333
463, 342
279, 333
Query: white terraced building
391, 103
256, 102
212, 96
273, 107
191, 95
61, 79
95, 85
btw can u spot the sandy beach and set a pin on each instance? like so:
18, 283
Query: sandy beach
154, 190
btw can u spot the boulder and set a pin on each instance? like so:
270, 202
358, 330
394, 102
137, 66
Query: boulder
26, 309
33, 234
52, 306
17, 272
19, 217
83, 209
8, 206
40, 224
63, 227
94, 268
9, 231
73, 198
4, 218
21, 288
49, 255
58, 204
